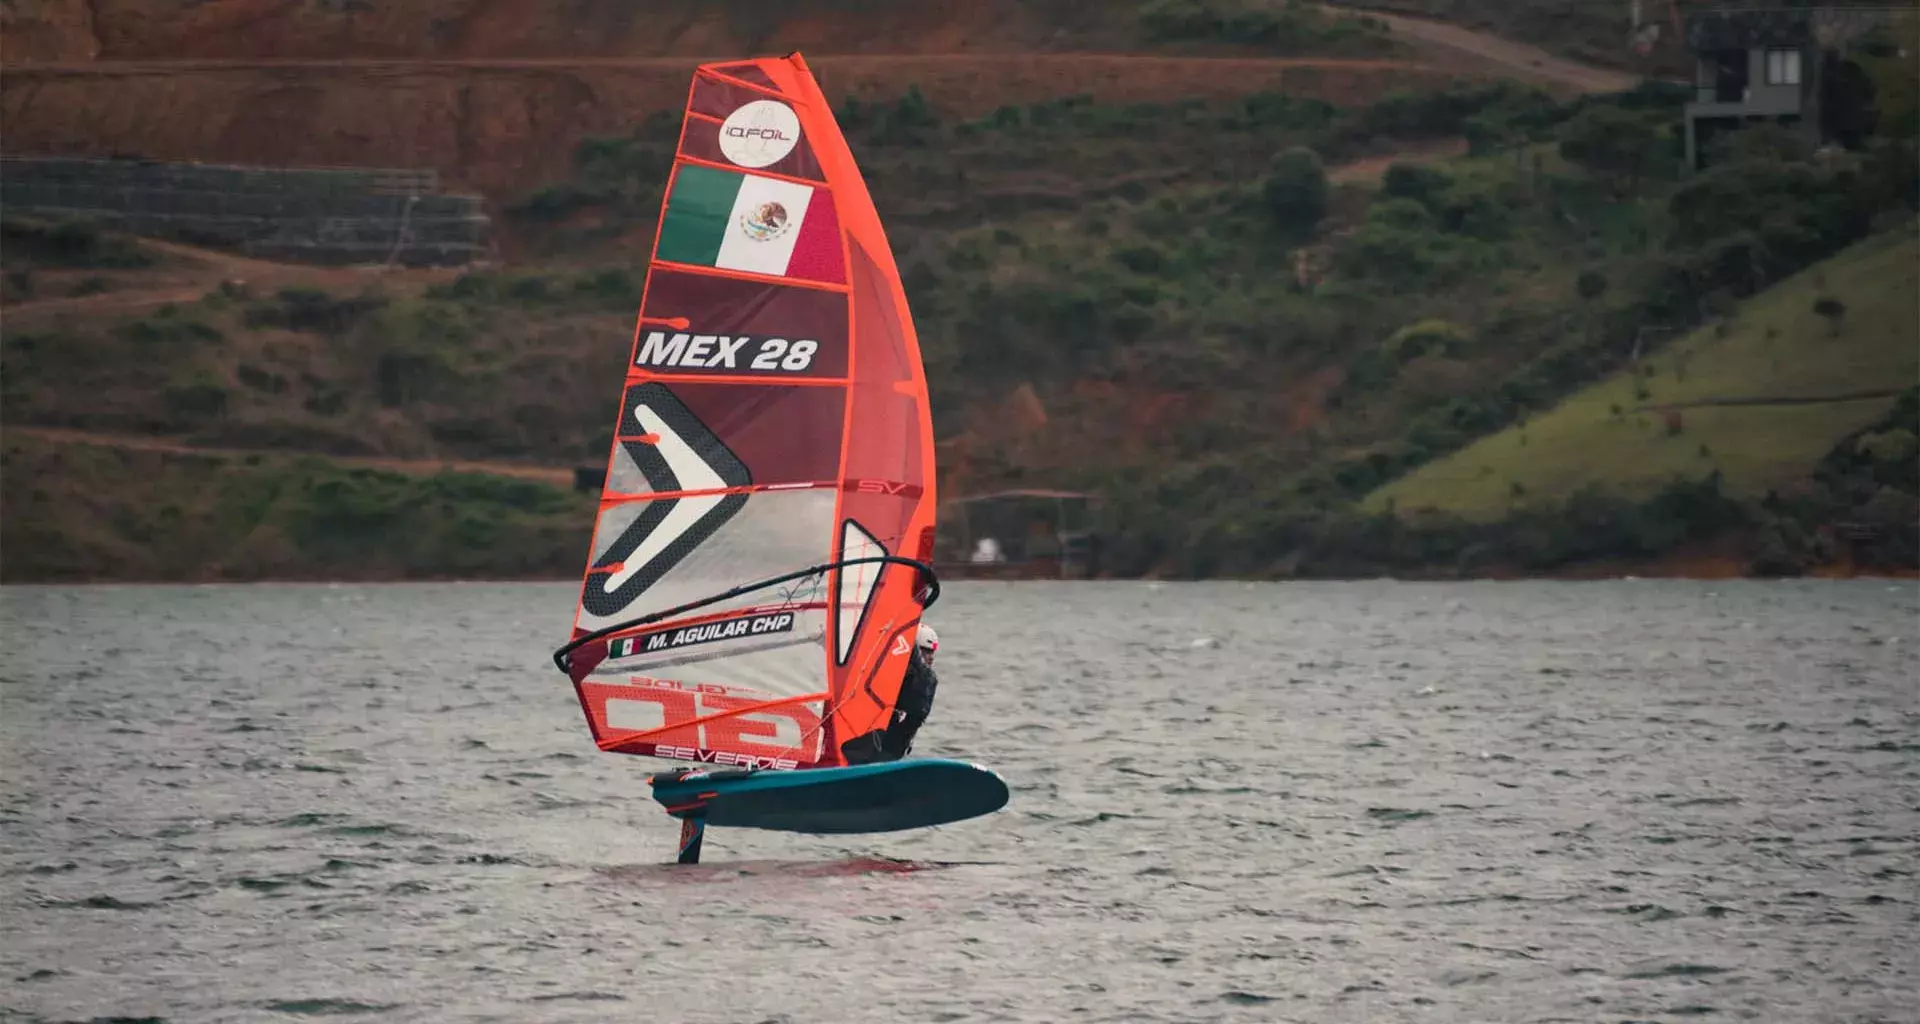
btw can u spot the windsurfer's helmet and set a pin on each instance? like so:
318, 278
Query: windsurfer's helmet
928, 642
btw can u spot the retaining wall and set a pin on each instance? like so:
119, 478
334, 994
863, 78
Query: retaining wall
309, 215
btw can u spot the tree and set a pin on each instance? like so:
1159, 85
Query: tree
1833, 310
1592, 284
1895, 73
1296, 190
1414, 181
1612, 143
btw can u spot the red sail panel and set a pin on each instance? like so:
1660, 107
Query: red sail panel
774, 418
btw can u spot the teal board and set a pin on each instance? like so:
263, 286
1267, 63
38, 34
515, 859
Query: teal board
885, 797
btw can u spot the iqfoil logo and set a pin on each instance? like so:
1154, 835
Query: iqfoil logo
759, 133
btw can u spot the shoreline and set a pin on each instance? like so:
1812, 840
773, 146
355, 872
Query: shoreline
1824, 573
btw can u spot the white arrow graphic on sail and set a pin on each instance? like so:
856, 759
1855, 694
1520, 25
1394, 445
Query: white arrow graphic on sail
693, 474
856, 581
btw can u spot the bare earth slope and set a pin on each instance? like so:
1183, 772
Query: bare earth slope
55, 30
503, 125
495, 93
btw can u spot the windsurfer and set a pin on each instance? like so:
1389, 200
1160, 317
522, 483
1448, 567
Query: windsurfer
909, 712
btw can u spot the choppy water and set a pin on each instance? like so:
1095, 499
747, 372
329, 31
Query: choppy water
1343, 802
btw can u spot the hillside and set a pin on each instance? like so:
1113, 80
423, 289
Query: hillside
1234, 354
511, 362
1234, 290
1758, 399
85, 511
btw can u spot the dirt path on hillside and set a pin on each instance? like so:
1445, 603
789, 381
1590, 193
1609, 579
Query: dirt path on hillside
1768, 400
1496, 54
139, 442
26, 313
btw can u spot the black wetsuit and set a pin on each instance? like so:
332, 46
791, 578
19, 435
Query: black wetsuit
909, 713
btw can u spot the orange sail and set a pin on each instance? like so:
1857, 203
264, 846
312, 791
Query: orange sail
758, 561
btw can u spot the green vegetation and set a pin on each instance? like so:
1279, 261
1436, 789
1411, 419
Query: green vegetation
30, 243
609, 288
932, 173
483, 367
1658, 421
615, 177
1458, 301
1294, 28
1231, 342
78, 512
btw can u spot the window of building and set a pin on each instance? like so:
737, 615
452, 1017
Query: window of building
1783, 67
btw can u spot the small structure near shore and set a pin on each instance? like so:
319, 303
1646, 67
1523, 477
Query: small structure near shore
1020, 534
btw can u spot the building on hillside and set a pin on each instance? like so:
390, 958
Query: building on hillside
1785, 63
1020, 534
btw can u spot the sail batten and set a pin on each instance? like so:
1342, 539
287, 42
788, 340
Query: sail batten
770, 483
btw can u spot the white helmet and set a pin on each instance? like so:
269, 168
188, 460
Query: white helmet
927, 640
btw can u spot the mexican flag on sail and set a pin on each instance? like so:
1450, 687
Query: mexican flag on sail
752, 223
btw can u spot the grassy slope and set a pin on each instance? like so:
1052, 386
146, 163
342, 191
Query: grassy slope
83, 512
1774, 347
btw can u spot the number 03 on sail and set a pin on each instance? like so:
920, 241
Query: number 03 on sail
761, 554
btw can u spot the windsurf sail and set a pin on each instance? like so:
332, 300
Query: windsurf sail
759, 559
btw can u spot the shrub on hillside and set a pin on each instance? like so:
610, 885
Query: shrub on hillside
1591, 285
1477, 207
1621, 147
1414, 181
310, 309
625, 173
1401, 214
1296, 191
1426, 337
1502, 110
609, 288
403, 377
1400, 247
1271, 110
909, 121
1742, 226
1822, 208
67, 243
167, 328
1760, 141
197, 399
1292, 30
17, 285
